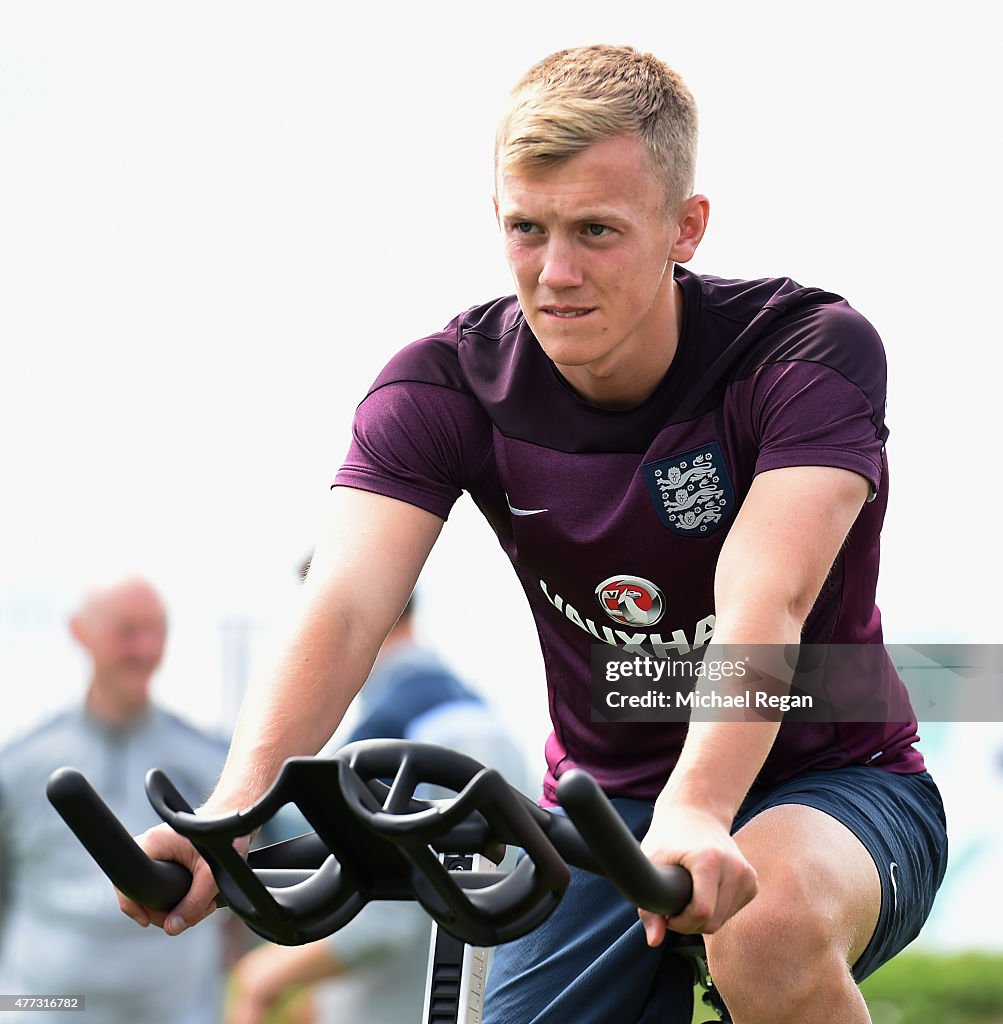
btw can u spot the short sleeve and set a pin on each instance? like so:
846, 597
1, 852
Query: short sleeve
421, 443
808, 415
824, 406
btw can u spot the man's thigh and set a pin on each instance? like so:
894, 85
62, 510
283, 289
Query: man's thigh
819, 888
857, 851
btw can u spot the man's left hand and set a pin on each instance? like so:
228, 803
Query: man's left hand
723, 880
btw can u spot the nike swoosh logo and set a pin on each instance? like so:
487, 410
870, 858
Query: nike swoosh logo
524, 511
895, 886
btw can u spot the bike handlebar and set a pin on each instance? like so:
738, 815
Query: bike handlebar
159, 884
380, 841
663, 890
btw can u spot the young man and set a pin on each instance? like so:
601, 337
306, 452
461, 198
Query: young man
664, 457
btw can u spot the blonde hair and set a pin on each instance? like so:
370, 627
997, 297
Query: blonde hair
574, 98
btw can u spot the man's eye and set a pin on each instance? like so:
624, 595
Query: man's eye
524, 227
597, 230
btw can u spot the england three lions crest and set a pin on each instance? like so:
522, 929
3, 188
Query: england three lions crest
692, 492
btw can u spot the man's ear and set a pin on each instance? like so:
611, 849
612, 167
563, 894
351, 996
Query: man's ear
691, 219
494, 200
78, 630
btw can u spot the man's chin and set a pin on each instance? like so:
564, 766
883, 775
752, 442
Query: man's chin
570, 352
136, 684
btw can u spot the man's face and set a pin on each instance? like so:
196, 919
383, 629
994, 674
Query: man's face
125, 632
589, 242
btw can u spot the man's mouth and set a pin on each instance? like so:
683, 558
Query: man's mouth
565, 313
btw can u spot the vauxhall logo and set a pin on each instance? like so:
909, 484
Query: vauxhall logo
633, 601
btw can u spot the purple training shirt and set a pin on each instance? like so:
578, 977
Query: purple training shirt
585, 500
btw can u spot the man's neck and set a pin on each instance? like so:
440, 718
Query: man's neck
632, 381
111, 711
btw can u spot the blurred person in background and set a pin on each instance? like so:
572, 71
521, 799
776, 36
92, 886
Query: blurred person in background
373, 970
60, 930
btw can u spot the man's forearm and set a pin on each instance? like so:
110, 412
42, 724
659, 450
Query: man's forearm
294, 703
722, 756
373, 546
718, 764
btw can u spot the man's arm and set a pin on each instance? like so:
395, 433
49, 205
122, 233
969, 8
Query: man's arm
395, 935
268, 973
363, 571
771, 569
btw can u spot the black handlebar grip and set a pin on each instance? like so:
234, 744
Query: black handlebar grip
153, 883
662, 890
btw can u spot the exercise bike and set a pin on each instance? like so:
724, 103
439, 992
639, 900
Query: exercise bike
375, 839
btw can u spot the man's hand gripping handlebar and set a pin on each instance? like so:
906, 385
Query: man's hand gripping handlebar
376, 839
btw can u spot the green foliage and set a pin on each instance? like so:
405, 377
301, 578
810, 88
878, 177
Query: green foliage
924, 988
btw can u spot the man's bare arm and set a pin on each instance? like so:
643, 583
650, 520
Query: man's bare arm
770, 572
266, 974
362, 574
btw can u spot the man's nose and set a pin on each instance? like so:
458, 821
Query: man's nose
560, 268
148, 645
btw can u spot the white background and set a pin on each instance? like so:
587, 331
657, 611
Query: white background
219, 220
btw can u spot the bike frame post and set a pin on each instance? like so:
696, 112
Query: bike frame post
457, 972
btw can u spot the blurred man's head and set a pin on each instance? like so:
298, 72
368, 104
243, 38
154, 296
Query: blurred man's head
123, 626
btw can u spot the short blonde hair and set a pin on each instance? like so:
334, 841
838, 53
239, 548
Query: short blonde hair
574, 98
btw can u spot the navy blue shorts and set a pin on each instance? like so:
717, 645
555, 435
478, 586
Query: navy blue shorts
589, 961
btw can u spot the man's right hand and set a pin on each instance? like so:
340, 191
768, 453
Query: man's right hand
163, 843
296, 700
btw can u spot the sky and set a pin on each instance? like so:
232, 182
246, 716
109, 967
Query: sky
219, 221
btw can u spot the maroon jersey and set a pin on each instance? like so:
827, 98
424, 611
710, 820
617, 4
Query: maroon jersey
614, 520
